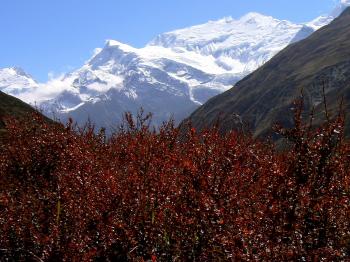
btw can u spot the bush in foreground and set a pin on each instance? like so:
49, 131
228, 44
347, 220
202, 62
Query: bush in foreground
69, 194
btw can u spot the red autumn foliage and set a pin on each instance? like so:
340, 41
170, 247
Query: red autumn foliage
69, 194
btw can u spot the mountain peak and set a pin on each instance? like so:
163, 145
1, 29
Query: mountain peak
254, 15
20, 71
14, 80
116, 44
111, 42
15, 71
256, 19
226, 19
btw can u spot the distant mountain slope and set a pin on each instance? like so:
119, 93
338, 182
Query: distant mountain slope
265, 96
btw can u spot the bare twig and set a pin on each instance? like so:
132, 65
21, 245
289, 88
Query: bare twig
132, 250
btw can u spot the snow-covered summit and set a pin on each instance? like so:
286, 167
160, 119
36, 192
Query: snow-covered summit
15, 80
238, 46
214, 32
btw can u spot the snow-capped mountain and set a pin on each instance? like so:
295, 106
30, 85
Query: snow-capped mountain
238, 46
15, 81
171, 76
122, 78
174, 73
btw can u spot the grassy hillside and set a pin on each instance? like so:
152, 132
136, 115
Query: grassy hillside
13, 107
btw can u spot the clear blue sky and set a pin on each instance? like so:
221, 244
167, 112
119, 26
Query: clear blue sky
43, 36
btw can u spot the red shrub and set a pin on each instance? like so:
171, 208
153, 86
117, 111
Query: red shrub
70, 194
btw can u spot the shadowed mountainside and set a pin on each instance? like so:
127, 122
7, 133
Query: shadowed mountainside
13, 107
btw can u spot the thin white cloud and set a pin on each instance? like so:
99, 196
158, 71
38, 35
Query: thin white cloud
47, 91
